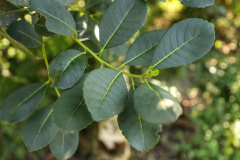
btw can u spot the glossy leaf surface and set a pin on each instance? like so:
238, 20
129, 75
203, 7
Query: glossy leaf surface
19, 2
21, 103
197, 3
15, 43
63, 146
67, 68
66, 2
142, 50
141, 134
39, 130
8, 13
184, 43
24, 32
70, 112
121, 21
120, 50
41, 29
156, 105
105, 93
59, 19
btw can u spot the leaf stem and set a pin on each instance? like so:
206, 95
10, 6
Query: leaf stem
47, 66
102, 61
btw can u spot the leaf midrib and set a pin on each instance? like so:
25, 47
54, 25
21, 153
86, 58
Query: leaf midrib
179, 47
118, 25
140, 54
57, 19
18, 10
74, 112
45, 120
108, 90
28, 97
71, 62
28, 36
163, 104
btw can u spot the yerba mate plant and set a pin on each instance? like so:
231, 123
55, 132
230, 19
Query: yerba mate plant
99, 94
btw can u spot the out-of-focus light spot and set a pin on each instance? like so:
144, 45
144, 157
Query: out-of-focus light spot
213, 61
233, 45
11, 52
186, 103
212, 70
218, 44
235, 128
200, 107
6, 73
232, 60
81, 3
206, 95
226, 49
20, 55
216, 128
5, 42
223, 65
232, 99
221, 73
193, 93
226, 125
208, 135
230, 15
192, 67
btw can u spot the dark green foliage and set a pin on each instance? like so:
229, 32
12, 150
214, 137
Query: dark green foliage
70, 111
100, 93
67, 68
8, 13
142, 134
39, 129
21, 103
24, 32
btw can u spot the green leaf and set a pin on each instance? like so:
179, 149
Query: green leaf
19, 2
105, 93
21, 103
184, 43
156, 105
70, 112
59, 19
141, 134
41, 29
197, 3
120, 50
97, 5
66, 3
142, 50
8, 13
67, 68
63, 146
39, 130
24, 32
15, 43
121, 21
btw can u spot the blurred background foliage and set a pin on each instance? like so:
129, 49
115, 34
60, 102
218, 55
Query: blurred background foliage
208, 89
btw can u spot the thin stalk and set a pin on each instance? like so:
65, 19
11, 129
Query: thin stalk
102, 61
47, 66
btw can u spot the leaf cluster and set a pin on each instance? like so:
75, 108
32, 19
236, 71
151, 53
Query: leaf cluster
99, 94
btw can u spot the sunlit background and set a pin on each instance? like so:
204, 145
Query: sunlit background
208, 90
